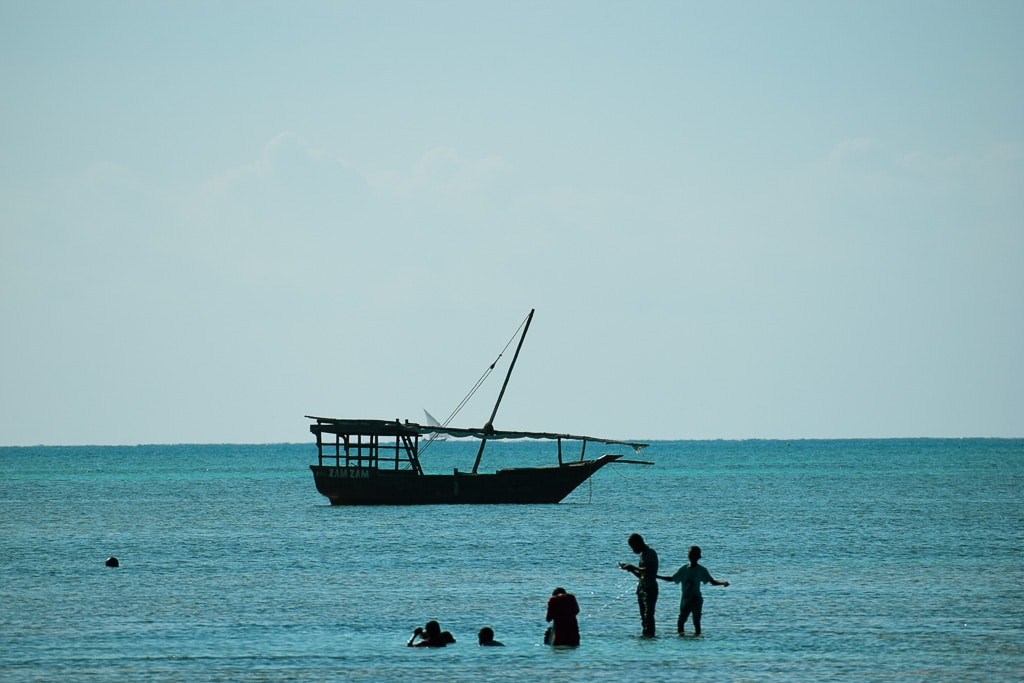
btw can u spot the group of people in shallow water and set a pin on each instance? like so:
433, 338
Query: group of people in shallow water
689, 576
431, 635
562, 608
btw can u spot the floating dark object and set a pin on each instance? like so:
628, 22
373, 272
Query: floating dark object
112, 562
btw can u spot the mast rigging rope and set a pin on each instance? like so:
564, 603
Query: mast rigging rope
479, 383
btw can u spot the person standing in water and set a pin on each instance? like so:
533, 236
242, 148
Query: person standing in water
691, 576
562, 610
647, 585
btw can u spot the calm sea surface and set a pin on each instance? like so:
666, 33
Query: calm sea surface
896, 560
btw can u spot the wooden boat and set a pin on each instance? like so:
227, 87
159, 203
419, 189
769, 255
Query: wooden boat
376, 462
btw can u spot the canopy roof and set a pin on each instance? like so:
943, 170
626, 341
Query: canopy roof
333, 425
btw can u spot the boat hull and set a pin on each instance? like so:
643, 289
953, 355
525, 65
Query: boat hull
518, 485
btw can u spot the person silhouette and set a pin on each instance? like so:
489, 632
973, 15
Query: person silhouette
485, 636
647, 585
430, 635
562, 611
690, 577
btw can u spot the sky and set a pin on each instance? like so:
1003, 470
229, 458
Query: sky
735, 220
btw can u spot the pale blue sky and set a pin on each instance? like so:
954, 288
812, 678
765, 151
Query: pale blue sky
735, 220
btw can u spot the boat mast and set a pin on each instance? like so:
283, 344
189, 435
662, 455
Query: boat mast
489, 427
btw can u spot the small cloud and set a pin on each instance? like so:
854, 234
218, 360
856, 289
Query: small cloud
919, 162
1005, 153
105, 173
286, 156
866, 154
287, 160
878, 170
852, 150
1001, 170
441, 171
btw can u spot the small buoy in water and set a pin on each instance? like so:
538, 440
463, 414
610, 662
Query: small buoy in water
112, 562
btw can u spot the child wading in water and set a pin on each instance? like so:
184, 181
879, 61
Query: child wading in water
691, 576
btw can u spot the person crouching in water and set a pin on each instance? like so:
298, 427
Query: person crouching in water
562, 610
430, 635
691, 576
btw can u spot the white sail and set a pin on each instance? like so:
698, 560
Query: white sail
432, 422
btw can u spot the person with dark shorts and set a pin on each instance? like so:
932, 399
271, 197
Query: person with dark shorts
690, 577
647, 585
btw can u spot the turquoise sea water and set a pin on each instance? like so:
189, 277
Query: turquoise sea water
896, 560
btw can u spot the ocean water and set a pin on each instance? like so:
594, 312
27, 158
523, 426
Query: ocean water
896, 560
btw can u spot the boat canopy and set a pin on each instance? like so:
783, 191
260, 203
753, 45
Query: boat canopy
333, 425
